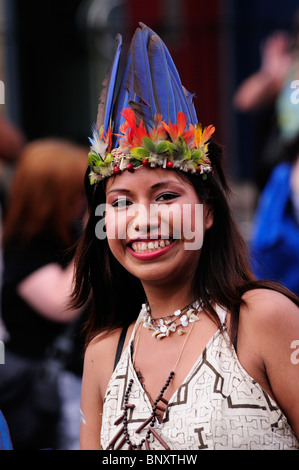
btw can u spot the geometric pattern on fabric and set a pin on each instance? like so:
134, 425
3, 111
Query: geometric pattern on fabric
217, 407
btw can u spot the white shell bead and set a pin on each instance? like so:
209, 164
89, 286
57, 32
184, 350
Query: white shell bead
161, 335
184, 320
172, 327
193, 318
156, 333
190, 311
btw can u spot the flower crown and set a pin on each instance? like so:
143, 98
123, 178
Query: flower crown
164, 145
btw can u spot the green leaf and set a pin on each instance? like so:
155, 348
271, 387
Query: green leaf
196, 155
92, 159
139, 153
162, 147
187, 154
109, 158
171, 146
95, 159
148, 144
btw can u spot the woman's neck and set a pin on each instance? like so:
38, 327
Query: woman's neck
164, 301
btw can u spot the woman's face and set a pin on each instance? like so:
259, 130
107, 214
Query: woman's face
155, 224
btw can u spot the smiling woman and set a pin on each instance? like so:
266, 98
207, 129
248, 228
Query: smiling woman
180, 341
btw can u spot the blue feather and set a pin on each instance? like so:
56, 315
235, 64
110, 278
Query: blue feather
107, 96
122, 101
183, 95
142, 80
166, 98
150, 84
192, 113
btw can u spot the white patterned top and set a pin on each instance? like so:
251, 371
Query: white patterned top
217, 407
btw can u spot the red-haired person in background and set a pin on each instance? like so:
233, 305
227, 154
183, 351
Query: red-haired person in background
42, 221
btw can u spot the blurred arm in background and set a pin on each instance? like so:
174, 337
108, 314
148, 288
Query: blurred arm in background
262, 88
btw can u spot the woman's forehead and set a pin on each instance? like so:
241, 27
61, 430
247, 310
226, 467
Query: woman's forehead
143, 176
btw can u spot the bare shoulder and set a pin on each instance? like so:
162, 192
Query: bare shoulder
102, 349
268, 325
268, 306
103, 344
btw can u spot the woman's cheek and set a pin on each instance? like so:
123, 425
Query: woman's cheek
116, 224
193, 226
170, 220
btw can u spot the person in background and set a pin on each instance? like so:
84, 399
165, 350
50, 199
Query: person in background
267, 93
274, 241
43, 217
12, 141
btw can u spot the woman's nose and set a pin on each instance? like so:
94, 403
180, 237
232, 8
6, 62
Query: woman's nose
145, 221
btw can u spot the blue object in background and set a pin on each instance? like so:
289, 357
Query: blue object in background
5, 442
275, 241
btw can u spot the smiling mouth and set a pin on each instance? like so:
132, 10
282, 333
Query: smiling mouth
148, 246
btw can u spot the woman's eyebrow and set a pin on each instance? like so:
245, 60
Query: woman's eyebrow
119, 190
154, 186
166, 183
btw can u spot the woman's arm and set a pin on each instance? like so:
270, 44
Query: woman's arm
91, 402
98, 367
268, 331
263, 87
47, 290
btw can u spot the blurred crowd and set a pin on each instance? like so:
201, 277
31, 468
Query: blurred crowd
274, 240
43, 207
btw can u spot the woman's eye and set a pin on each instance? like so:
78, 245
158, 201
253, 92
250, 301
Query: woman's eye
121, 203
167, 196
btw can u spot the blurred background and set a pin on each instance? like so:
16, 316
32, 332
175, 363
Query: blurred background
55, 54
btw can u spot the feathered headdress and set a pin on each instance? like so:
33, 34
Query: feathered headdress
150, 120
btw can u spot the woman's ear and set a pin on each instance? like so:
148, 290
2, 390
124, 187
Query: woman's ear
208, 216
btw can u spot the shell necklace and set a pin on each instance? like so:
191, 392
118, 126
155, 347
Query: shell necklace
164, 326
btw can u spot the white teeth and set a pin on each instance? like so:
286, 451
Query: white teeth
142, 247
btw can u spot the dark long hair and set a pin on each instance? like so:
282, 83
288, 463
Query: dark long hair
223, 273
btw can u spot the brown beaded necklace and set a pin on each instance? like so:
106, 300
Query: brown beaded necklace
122, 436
